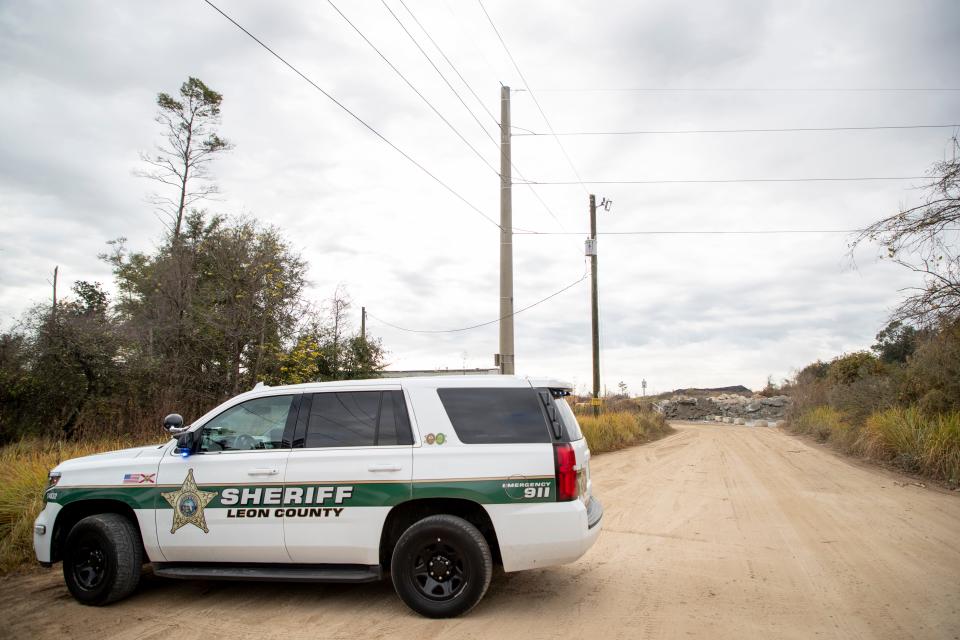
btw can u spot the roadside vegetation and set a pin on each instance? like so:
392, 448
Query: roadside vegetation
24, 466
626, 424
899, 403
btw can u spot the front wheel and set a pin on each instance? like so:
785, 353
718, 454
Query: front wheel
102, 559
441, 566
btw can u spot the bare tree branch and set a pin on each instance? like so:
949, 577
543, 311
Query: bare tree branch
923, 239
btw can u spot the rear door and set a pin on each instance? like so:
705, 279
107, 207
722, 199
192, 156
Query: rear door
487, 444
351, 462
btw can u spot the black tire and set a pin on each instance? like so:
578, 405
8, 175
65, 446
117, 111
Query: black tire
102, 559
460, 571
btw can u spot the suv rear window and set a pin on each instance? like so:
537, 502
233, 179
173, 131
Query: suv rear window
495, 416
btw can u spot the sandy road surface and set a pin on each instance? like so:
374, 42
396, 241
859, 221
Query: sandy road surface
714, 532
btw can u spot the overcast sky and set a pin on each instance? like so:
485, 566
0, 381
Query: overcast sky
79, 82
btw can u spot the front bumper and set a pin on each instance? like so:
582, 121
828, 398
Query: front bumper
43, 533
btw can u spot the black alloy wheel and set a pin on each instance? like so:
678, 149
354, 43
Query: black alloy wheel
441, 566
438, 570
89, 563
102, 557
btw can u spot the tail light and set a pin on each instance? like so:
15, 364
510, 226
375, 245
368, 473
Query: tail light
564, 462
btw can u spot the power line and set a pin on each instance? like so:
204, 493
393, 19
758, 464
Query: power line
415, 90
452, 66
692, 232
484, 324
685, 131
532, 95
435, 67
750, 90
732, 180
354, 115
700, 232
457, 94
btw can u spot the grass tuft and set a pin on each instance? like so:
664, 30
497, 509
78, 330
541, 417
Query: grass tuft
616, 430
915, 441
907, 437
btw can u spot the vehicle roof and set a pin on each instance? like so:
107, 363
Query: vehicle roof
429, 382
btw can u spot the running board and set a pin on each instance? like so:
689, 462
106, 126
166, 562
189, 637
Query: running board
343, 573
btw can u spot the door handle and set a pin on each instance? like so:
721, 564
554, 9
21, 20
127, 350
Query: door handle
263, 472
384, 467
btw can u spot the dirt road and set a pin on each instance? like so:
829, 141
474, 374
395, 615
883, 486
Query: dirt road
713, 532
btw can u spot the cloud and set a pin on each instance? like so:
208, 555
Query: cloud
79, 85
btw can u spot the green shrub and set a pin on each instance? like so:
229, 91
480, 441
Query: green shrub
855, 366
934, 371
858, 399
935, 401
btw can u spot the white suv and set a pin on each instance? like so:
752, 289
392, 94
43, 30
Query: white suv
431, 479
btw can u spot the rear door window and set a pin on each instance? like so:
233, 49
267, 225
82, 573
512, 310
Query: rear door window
495, 416
357, 419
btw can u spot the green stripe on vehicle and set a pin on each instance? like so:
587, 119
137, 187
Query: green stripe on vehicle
361, 494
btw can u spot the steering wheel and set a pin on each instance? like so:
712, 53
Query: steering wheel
245, 441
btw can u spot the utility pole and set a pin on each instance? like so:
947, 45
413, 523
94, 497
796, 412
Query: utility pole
53, 307
591, 250
594, 305
363, 323
505, 358
56, 269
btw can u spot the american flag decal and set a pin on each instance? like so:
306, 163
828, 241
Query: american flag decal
139, 478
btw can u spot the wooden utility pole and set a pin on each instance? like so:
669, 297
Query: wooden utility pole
363, 323
53, 309
594, 306
505, 357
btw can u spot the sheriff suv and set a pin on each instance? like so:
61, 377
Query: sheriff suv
432, 480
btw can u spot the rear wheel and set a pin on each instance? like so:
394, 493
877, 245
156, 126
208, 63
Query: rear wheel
441, 566
102, 559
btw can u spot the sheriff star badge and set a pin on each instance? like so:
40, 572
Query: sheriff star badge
188, 502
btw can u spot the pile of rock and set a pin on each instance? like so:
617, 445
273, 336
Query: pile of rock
729, 408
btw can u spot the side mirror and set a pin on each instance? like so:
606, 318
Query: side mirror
173, 422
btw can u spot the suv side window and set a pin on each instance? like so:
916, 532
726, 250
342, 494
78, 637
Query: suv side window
254, 424
495, 416
357, 419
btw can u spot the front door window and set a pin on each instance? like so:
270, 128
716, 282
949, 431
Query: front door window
250, 425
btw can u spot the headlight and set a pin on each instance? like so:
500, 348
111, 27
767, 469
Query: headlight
52, 479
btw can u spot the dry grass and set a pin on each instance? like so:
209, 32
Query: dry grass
915, 441
615, 430
23, 477
827, 424
907, 437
